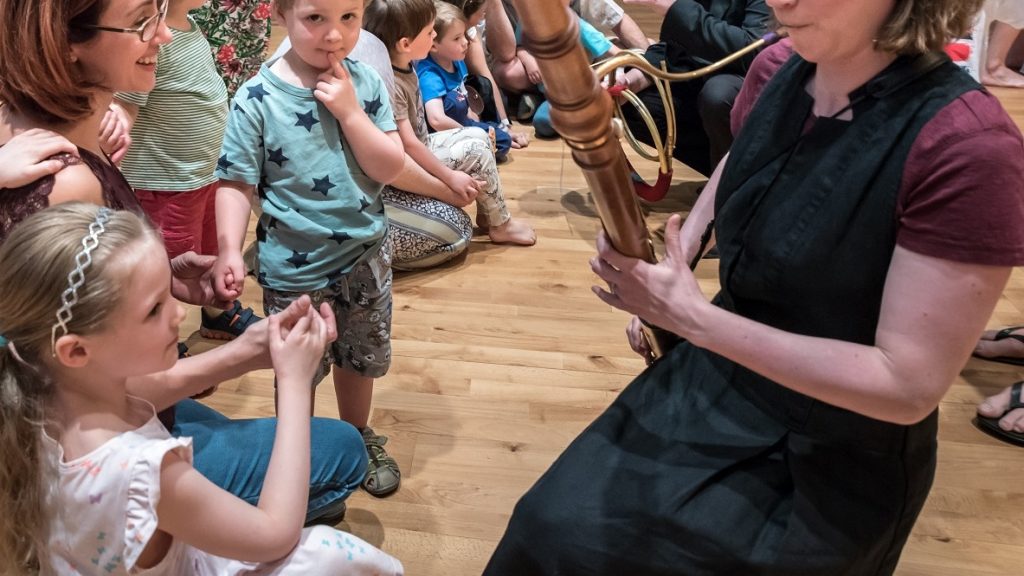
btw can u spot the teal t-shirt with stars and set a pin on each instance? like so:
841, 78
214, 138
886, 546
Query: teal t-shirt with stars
321, 213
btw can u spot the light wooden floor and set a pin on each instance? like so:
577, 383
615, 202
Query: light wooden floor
502, 358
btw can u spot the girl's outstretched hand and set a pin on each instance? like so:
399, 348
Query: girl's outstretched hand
297, 341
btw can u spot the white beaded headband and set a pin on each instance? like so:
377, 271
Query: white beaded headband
77, 276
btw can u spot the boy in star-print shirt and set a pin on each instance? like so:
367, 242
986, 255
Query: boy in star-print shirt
313, 135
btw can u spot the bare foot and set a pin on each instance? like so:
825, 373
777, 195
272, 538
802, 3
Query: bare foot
995, 407
989, 347
519, 140
513, 232
1002, 76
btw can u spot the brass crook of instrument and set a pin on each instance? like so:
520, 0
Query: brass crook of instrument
661, 78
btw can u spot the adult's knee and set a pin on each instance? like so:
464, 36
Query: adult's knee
716, 98
338, 454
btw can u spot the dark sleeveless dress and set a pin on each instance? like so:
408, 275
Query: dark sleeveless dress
702, 467
16, 204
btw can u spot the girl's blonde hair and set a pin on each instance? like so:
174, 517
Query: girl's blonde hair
918, 26
445, 15
36, 260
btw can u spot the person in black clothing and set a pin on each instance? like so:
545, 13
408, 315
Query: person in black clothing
695, 33
793, 430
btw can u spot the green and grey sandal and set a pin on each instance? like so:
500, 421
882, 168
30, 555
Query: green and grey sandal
382, 474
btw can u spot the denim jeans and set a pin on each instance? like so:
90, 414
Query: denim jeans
234, 454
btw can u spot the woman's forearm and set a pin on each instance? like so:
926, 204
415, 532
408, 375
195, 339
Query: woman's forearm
920, 346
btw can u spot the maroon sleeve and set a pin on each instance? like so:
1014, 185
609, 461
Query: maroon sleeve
761, 71
962, 194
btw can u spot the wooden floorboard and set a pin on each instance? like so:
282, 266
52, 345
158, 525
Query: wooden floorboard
502, 357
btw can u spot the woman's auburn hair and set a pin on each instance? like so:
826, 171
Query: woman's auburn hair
38, 78
918, 26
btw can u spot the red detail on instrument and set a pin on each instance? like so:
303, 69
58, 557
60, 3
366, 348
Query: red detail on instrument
650, 193
616, 90
958, 52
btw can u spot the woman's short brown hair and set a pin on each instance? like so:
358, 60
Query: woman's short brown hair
37, 77
917, 26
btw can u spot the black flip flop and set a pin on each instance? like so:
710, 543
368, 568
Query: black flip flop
991, 425
1003, 335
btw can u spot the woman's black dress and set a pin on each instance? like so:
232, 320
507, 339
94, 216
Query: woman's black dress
704, 467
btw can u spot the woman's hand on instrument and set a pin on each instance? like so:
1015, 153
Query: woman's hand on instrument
665, 294
638, 340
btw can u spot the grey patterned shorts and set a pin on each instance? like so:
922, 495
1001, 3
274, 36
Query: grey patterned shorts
361, 301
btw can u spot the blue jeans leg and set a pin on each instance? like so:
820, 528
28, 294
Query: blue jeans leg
234, 454
542, 122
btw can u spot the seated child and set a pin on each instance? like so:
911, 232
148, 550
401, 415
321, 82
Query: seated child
92, 481
457, 165
314, 136
442, 76
492, 100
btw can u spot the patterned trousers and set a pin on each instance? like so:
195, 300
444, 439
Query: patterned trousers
425, 231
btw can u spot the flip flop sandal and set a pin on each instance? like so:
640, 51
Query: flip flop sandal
991, 425
1003, 335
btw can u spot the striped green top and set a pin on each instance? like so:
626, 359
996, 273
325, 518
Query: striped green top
177, 136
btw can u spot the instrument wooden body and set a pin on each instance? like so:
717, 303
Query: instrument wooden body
581, 112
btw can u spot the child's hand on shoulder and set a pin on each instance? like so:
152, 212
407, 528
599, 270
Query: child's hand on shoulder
297, 341
28, 157
334, 88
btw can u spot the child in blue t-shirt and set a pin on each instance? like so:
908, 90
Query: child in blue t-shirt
314, 136
442, 76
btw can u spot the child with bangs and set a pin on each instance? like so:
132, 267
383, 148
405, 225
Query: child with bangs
442, 77
92, 482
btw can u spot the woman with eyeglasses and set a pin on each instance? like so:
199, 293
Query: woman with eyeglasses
59, 69
64, 80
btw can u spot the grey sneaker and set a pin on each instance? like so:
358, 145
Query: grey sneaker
382, 474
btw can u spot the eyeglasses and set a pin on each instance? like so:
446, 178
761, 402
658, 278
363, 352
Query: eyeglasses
146, 30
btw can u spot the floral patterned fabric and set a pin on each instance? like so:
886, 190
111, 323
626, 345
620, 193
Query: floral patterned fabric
239, 32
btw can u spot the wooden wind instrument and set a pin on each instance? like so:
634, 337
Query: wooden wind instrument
581, 111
